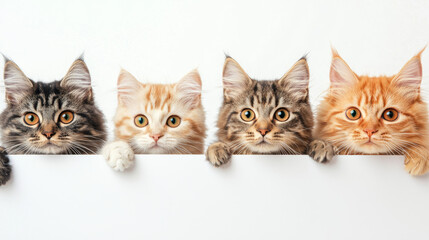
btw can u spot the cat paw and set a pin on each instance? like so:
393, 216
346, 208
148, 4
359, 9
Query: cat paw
321, 151
118, 155
5, 168
218, 154
415, 166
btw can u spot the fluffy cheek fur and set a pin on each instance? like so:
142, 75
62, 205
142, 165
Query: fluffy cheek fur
175, 140
278, 140
78, 137
349, 136
289, 137
187, 138
259, 144
64, 142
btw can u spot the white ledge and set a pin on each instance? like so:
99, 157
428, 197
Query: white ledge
184, 197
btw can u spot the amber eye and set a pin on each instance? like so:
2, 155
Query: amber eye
247, 115
141, 121
31, 119
353, 113
390, 115
281, 115
66, 117
173, 121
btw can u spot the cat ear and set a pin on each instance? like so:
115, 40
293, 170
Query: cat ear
341, 75
235, 80
77, 81
410, 77
189, 89
296, 80
17, 84
128, 86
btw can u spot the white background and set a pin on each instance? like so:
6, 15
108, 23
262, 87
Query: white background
160, 41
183, 196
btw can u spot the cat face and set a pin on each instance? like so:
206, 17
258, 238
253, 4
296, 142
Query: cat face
51, 118
265, 116
373, 115
163, 119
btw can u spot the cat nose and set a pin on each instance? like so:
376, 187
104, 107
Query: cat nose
264, 131
48, 135
370, 132
156, 137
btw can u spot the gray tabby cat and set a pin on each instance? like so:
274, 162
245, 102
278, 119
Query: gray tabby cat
263, 117
59, 117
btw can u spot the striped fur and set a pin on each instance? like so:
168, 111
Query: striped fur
264, 98
158, 102
372, 96
84, 135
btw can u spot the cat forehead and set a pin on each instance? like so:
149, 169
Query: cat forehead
158, 91
47, 96
263, 93
47, 89
374, 82
156, 96
372, 94
374, 91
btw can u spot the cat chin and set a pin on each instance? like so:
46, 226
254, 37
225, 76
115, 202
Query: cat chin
371, 148
50, 149
264, 148
157, 150
154, 150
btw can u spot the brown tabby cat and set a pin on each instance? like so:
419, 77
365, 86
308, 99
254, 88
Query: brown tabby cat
156, 119
376, 115
263, 117
57, 117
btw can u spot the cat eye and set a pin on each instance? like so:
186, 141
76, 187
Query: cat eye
281, 115
247, 115
66, 117
141, 121
173, 121
31, 119
390, 114
353, 113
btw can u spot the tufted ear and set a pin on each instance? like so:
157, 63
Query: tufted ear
77, 81
17, 84
296, 80
409, 79
235, 80
189, 89
341, 75
128, 86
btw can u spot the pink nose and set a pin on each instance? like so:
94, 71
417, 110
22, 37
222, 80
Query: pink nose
263, 131
48, 135
370, 132
156, 137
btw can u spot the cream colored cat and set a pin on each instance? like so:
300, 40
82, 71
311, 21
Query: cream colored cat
156, 119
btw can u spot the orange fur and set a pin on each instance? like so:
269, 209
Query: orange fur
372, 96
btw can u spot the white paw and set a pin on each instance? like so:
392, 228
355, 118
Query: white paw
118, 155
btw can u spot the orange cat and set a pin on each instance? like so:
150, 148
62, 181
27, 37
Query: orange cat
156, 119
376, 115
